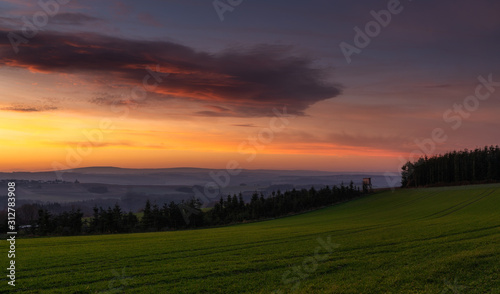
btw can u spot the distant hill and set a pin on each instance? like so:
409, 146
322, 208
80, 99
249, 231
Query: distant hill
130, 187
197, 176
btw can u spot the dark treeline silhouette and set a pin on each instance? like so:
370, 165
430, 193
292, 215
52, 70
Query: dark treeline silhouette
112, 220
233, 209
66, 223
454, 168
172, 216
188, 214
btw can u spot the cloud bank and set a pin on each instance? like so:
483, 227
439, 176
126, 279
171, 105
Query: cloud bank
237, 83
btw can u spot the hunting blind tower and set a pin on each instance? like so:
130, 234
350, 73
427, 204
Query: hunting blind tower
367, 185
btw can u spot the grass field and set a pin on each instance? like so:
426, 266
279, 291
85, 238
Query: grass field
437, 240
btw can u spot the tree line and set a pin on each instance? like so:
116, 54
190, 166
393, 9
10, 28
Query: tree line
233, 209
189, 214
454, 168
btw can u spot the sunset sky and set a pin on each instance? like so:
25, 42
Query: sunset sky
156, 84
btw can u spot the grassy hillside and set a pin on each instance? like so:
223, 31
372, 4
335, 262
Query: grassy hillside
439, 240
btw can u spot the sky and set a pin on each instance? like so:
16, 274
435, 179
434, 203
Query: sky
307, 85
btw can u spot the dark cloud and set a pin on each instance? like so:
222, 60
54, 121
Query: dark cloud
218, 109
24, 108
215, 113
100, 101
244, 125
248, 82
104, 98
438, 86
69, 18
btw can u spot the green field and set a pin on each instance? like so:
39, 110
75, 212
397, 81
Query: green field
437, 240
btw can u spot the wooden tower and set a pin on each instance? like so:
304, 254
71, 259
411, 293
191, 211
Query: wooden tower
367, 185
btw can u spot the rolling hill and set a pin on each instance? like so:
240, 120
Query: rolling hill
436, 240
